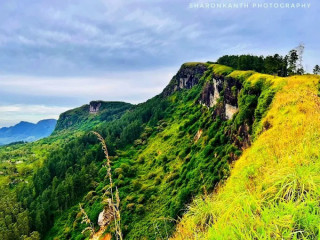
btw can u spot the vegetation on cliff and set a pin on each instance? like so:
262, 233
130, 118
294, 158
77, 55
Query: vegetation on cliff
170, 150
273, 190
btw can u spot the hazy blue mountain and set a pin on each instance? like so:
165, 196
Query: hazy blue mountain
26, 131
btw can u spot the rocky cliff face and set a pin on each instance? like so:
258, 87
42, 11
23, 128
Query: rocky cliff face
211, 92
94, 107
188, 76
225, 89
219, 87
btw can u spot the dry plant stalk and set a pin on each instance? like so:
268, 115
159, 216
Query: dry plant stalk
114, 200
86, 220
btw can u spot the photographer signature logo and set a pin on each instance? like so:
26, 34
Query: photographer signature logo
254, 4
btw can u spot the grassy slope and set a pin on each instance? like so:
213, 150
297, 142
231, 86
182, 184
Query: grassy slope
274, 188
151, 197
165, 168
171, 167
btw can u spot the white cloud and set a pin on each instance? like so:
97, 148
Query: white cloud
47, 97
115, 47
114, 86
12, 114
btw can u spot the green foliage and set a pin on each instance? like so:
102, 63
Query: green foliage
157, 164
80, 118
273, 191
275, 65
14, 220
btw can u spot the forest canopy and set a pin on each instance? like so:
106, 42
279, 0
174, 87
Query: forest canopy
282, 66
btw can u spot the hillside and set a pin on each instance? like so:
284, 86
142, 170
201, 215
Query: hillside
20, 159
26, 131
274, 188
211, 126
89, 115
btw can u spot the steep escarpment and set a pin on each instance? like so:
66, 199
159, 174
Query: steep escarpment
188, 76
224, 89
273, 190
164, 153
218, 87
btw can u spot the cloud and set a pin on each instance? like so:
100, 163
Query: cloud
47, 97
12, 114
112, 86
58, 53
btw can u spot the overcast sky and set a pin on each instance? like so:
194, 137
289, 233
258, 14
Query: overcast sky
60, 54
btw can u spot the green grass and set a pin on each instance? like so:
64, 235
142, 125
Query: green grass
221, 69
273, 191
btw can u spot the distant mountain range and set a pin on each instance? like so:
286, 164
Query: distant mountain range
26, 131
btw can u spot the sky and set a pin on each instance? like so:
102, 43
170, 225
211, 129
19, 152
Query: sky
59, 54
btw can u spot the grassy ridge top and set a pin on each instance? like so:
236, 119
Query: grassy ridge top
274, 188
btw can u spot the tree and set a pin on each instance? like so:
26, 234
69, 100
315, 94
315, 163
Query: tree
275, 65
316, 69
295, 60
300, 71
292, 62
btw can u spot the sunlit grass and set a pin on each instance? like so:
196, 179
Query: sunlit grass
274, 188
221, 69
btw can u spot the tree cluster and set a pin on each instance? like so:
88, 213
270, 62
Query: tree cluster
283, 66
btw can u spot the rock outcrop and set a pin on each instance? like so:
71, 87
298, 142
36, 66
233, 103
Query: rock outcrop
94, 107
210, 93
188, 76
219, 87
227, 89
230, 111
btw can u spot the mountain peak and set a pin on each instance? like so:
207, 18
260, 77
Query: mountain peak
26, 131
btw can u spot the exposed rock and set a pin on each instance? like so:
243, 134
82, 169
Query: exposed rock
243, 133
94, 107
231, 90
188, 76
230, 111
216, 94
227, 88
219, 110
208, 95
